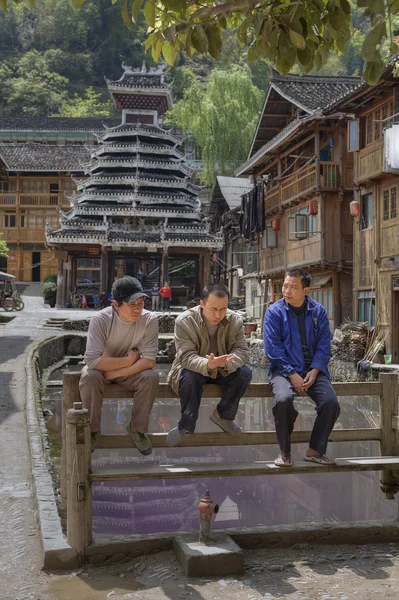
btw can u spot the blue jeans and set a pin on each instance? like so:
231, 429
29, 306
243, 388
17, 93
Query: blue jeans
190, 391
327, 409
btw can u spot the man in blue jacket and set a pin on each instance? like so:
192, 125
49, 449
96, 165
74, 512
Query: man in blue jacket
297, 344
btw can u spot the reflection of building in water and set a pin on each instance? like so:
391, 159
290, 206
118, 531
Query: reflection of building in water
171, 505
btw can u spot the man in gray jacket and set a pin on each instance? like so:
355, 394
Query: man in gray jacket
210, 348
122, 346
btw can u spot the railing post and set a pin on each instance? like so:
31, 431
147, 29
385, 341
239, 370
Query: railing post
79, 506
70, 395
389, 444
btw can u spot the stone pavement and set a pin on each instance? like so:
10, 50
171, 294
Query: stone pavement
299, 573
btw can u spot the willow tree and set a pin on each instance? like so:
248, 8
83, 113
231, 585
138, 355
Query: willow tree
221, 115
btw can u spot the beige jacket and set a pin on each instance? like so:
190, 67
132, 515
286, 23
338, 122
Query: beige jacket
192, 345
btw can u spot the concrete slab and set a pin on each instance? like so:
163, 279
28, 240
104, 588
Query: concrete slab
219, 557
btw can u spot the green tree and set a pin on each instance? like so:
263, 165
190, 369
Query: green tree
89, 106
33, 90
222, 116
4, 250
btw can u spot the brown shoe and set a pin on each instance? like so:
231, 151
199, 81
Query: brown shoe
320, 459
283, 460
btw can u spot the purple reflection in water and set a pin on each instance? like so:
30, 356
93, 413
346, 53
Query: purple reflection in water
171, 505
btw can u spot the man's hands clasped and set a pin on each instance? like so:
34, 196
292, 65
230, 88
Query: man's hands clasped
214, 362
301, 384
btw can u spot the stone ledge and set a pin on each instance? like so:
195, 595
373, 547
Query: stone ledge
57, 554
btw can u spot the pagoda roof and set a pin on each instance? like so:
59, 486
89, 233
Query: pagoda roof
152, 131
57, 124
42, 157
141, 89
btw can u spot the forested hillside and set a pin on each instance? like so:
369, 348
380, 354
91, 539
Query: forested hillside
52, 54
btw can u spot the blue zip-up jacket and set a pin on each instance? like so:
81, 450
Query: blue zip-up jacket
282, 340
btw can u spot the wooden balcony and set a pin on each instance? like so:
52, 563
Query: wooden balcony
371, 161
306, 251
10, 234
302, 183
32, 235
271, 260
10, 199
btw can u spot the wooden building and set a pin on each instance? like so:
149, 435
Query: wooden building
373, 138
37, 157
137, 207
299, 152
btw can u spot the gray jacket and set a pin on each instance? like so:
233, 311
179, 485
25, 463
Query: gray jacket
192, 345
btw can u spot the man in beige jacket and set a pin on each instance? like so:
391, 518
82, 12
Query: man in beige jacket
210, 348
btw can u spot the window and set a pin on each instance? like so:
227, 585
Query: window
301, 224
366, 307
393, 203
271, 236
264, 240
386, 205
389, 204
377, 124
9, 219
353, 135
374, 123
250, 255
324, 297
367, 211
369, 128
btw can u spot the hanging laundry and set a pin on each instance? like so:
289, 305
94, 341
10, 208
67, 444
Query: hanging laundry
391, 148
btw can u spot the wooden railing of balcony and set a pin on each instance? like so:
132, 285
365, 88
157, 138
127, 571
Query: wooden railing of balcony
32, 235
10, 234
30, 200
272, 196
302, 182
371, 160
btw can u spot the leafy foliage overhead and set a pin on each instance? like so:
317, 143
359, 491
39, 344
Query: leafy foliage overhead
283, 31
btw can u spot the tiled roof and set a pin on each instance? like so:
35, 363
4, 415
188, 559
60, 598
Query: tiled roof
42, 157
56, 123
233, 188
314, 92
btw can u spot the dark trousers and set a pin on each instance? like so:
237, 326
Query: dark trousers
190, 392
165, 303
327, 409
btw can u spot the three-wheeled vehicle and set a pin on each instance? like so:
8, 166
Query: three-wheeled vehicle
10, 298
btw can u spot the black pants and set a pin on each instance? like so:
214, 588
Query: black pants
285, 414
190, 392
165, 303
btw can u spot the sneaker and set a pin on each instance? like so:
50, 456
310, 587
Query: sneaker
95, 436
140, 440
320, 459
176, 436
283, 460
228, 426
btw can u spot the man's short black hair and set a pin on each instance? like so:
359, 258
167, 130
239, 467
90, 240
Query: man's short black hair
217, 289
304, 276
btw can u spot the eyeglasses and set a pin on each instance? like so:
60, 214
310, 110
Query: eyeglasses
138, 304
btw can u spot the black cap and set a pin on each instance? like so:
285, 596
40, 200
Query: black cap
128, 289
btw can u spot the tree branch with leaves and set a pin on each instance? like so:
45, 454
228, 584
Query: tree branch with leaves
284, 32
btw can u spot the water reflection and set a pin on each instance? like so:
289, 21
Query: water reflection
171, 505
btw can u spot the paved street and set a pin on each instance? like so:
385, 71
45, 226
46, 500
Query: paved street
298, 573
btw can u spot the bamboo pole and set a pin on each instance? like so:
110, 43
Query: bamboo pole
79, 495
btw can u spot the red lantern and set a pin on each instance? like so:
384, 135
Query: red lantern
276, 224
354, 208
313, 207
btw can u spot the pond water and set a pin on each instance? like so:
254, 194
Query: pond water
171, 505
